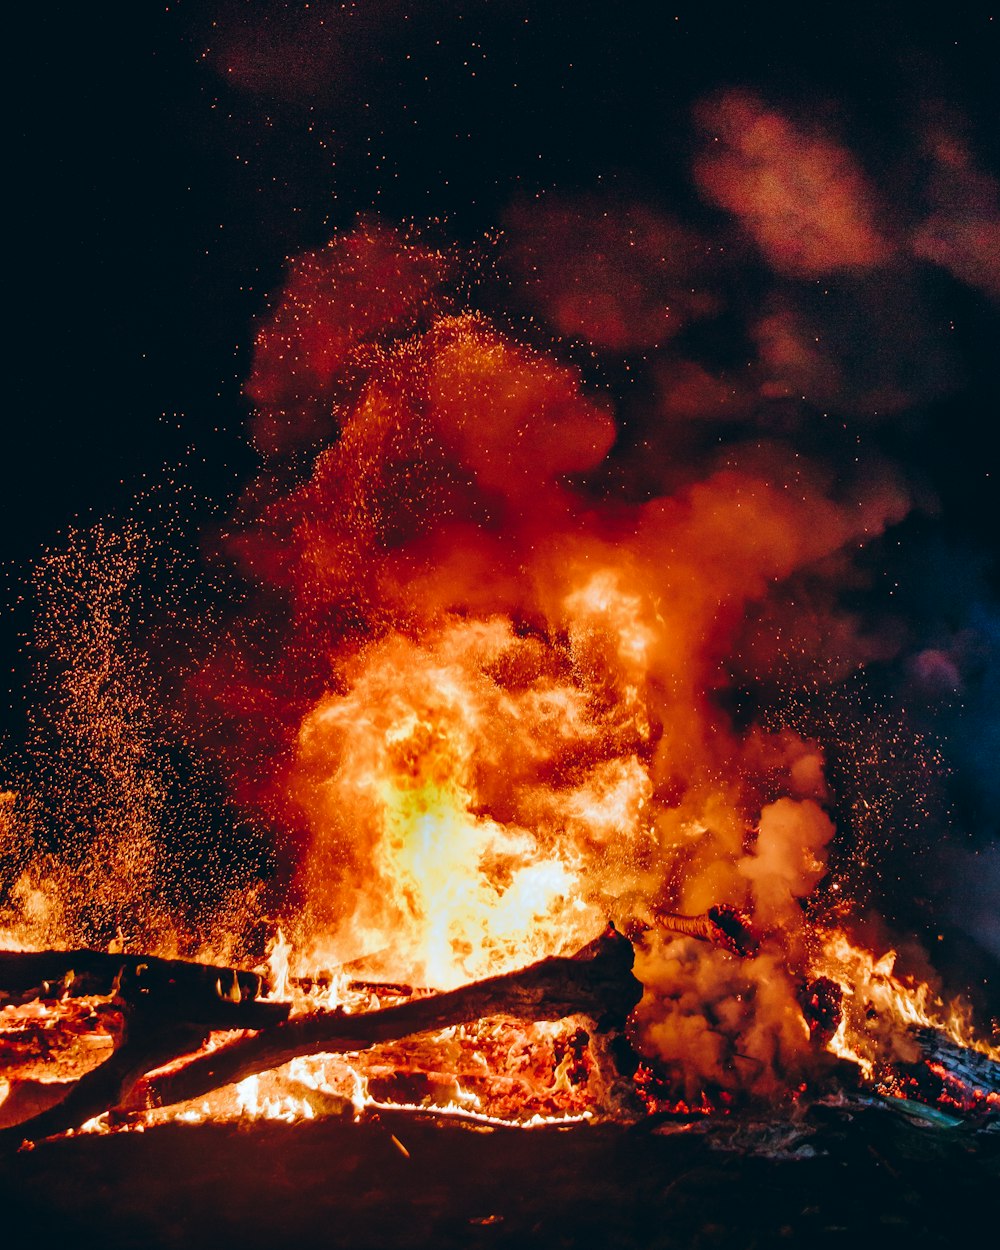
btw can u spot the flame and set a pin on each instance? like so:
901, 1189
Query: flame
880, 1008
491, 1072
278, 955
495, 709
410, 762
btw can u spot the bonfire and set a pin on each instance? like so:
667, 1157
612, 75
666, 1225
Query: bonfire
537, 868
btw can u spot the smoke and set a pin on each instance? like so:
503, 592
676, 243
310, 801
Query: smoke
721, 1024
320, 53
618, 275
548, 623
788, 858
337, 302
561, 634
799, 194
489, 696
960, 233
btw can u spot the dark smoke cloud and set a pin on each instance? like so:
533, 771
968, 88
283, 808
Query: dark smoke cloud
962, 232
311, 54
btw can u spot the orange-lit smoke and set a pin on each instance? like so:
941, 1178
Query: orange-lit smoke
962, 232
800, 195
619, 275
505, 687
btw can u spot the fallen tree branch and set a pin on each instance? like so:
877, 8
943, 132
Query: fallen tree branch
108, 1084
721, 926
165, 1025
162, 1017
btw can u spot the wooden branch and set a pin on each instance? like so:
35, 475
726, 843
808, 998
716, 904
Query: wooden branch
953, 1076
165, 1023
163, 1016
25, 975
721, 926
109, 1083
596, 982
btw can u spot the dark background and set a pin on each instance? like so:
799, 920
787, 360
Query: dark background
154, 203
168, 158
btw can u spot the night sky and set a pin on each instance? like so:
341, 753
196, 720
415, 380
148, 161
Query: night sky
168, 159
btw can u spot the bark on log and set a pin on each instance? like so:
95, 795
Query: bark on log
955, 1076
162, 1017
721, 926
25, 975
108, 1084
596, 982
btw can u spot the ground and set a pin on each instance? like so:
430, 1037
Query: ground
862, 1175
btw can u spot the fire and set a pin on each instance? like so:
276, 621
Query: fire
880, 1009
417, 761
493, 708
493, 1072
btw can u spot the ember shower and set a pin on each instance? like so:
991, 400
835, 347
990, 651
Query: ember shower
517, 650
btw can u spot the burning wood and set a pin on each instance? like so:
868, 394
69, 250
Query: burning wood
164, 1011
26, 975
167, 1007
162, 1027
952, 1076
721, 926
596, 982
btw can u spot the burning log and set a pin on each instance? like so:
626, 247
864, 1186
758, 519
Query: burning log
721, 925
109, 1083
168, 1008
597, 982
957, 1077
26, 975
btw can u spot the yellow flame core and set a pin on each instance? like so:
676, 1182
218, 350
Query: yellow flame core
423, 784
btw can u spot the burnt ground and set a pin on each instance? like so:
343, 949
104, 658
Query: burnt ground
868, 1175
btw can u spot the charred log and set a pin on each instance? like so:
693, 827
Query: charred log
821, 1000
109, 1083
163, 1024
26, 975
952, 1076
721, 926
162, 1017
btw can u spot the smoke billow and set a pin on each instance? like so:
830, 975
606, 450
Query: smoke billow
799, 194
519, 648
495, 696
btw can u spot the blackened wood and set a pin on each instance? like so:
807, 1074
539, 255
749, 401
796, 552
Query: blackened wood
959, 1075
722, 926
25, 975
596, 982
162, 1017
108, 1084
